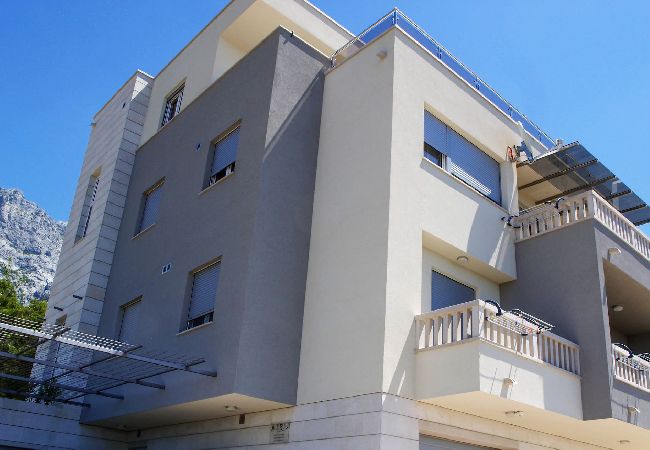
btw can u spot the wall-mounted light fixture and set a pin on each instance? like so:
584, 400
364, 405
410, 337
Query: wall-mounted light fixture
614, 251
462, 259
617, 308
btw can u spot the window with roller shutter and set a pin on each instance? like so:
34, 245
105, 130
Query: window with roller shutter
151, 204
447, 292
224, 156
449, 150
205, 283
129, 321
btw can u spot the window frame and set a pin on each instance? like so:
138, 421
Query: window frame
123, 309
431, 150
90, 197
139, 229
447, 160
190, 323
454, 279
210, 179
175, 94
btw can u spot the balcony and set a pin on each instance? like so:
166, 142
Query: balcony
578, 208
630, 368
479, 359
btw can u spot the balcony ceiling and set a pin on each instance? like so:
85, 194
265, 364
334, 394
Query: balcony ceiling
635, 298
572, 169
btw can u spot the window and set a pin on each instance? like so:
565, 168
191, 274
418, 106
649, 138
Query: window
449, 150
151, 204
129, 320
87, 208
447, 292
173, 105
204, 293
224, 156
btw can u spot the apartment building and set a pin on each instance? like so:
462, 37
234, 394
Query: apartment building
293, 237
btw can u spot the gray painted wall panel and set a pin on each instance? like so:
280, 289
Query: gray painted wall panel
257, 220
561, 279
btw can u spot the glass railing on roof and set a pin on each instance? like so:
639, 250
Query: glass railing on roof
396, 18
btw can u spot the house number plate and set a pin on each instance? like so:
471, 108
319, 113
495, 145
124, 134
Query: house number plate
280, 432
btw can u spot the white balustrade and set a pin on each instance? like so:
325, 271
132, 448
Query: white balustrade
634, 370
588, 205
478, 320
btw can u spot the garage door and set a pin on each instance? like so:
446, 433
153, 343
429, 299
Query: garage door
428, 443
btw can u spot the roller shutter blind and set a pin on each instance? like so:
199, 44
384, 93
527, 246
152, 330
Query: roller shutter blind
129, 325
225, 152
447, 292
204, 291
464, 159
151, 207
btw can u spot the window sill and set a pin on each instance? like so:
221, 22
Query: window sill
141, 232
467, 186
203, 325
217, 182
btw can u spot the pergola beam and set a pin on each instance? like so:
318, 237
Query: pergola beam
65, 387
43, 397
80, 369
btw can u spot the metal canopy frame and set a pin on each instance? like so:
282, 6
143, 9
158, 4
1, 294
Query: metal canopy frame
70, 364
572, 168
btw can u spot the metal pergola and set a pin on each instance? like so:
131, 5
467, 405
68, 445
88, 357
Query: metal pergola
52, 363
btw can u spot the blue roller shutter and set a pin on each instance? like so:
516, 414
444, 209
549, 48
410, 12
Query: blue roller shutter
225, 152
447, 292
151, 207
204, 291
130, 316
463, 159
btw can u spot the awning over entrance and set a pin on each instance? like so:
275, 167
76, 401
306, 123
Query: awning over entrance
571, 169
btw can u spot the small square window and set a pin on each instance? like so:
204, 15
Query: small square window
173, 105
224, 157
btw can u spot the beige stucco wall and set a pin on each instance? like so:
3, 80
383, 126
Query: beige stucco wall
391, 216
343, 325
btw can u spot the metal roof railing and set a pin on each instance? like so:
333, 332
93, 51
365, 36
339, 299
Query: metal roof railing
396, 18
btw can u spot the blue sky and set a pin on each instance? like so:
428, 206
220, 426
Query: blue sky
580, 69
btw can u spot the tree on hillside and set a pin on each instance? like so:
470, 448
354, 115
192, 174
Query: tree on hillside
12, 304
18, 280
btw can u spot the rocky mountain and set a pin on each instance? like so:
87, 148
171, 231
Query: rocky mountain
30, 239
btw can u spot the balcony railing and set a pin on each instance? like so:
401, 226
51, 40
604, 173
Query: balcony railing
397, 19
479, 320
577, 208
630, 368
